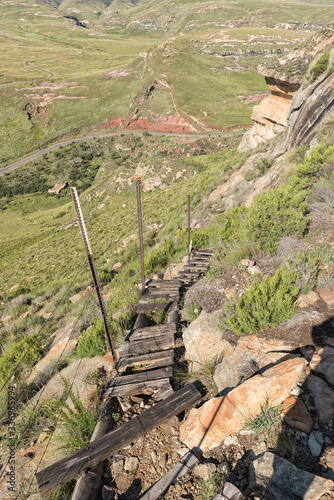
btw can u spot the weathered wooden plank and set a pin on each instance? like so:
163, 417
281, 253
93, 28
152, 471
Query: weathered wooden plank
147, 361
164, 372
189, 273
164, 284
147, 387
88, 486
230, 492
155, 306
150, 331
199, 262
92, 454
196, 268
173, 475
161, 342
163, 393
141, 321
147, 299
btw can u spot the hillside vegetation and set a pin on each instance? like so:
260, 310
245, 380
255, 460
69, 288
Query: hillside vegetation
181, 66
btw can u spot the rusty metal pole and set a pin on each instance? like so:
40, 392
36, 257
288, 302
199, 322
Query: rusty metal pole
170, 271
93, 269
188, 228
140, 236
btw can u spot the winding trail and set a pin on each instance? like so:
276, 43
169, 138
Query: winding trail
40, 69
22, 162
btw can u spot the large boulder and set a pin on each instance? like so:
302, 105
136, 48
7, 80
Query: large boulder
270, 117
251, 353
63, 344
203, 341
271, 469
207, 426
77, 374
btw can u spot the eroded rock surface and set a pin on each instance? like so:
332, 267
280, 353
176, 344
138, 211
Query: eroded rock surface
207, 426
288, 478
203, 341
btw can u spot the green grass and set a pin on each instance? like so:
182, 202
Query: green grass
81, 60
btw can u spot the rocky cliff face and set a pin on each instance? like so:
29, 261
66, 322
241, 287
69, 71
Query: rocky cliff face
271, 115
294, 106
308, 109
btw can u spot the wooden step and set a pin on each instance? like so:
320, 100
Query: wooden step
157, 343
179, 470
147, 332
174, 283
147, 299
153, 307
165, 372
195, 268
199, 262
146, 387
89, 456
146, 361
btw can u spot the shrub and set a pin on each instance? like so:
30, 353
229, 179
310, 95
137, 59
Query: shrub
93, 342
267, 303
320, 66
233, 224
158, 259
277, 213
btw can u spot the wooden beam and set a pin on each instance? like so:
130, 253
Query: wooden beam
190, 267
147, 361
137, 388
155, 306
164, 372
88, 486
156, 343
147, 299
92, 454
150, 331
173, 475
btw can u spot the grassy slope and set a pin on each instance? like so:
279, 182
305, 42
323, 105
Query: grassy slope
34, 245
81, 59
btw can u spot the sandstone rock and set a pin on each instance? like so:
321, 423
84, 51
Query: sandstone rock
63, 344
176, 269
271, 115
323, 398
253, 270
117, 267
231, 440
307, 299
250, 354
288, 478
315, 442
83, 294
323, 362
76, 374
308, 107
326, 295
207, 426
204, 471
296, 415
203, 340
58, 188
237, 179
131, 464
247, 262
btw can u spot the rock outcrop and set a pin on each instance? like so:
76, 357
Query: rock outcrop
307, 111
63, 344
203, 341
207, 426
271, 115
272, 469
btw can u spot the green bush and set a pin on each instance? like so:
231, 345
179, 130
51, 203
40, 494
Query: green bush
93, 342
232, 224
158, 260
277, 213
320, 66
267, 303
